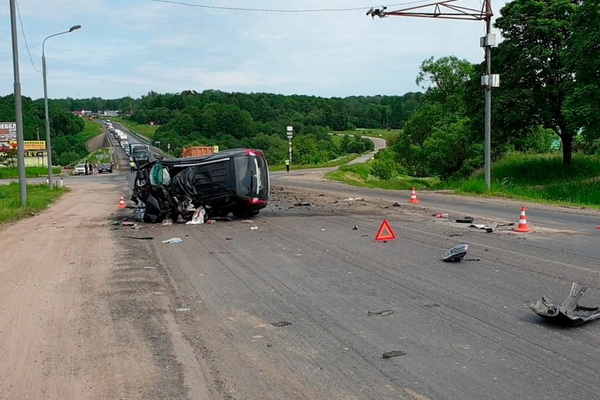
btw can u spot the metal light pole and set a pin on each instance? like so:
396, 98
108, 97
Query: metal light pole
446, 9
18, 108
290, 135
48, 142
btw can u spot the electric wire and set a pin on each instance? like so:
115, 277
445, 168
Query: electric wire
277, 10
25, 38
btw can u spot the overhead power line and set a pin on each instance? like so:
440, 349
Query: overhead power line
276, 10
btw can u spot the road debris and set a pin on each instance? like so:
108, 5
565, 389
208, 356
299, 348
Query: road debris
384, 312
457, 253
488, 229
569, 312
127, 223
394, 353
173, 240
198, 216
139, 238
465, 220
182, 309
280, 324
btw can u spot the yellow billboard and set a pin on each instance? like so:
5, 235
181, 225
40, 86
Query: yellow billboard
34, 145
29, 145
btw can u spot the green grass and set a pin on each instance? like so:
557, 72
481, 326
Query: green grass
99, 156
540, 178
379, 133
142, 129
537, 178
333, 163
30, 172
90, 130
39, 197
360, 175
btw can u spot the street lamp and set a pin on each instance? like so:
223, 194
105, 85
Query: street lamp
48, 143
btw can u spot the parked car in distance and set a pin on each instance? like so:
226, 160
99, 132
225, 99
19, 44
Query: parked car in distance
105, 167
79, 169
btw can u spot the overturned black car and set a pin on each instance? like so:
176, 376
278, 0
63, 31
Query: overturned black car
231, 181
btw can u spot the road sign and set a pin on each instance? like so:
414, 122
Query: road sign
385, 232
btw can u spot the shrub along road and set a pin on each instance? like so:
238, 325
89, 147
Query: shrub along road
288, 304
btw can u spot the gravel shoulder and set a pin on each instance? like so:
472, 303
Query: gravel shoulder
77, 317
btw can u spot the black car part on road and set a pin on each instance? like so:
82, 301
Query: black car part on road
232, 181
569, 312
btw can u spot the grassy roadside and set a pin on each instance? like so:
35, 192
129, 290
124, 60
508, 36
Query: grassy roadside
333, 163
360, 175
536, 178
39, 197
142, 129
30, 172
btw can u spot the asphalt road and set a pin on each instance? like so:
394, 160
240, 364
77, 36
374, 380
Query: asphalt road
278, 306
288, 302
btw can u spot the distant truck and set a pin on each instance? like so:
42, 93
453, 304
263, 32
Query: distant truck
196, 151
139, 153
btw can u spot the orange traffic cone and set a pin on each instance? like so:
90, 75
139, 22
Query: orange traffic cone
413, 196
122, 202
523, 227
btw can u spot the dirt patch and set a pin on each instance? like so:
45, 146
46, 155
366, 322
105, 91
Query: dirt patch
80, 316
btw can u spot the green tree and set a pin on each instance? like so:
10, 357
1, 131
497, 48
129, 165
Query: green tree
535, 79
446, 77
582, 106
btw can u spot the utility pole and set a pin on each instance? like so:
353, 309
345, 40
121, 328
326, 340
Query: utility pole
447, 10
18, 108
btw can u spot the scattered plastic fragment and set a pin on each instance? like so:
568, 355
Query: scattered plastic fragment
441, 215
253, 228
182, 309
569, 312
173, 240
280, 324
465, 220
197, 217
355, 228
457, 253
488, 229
384, 312
139, 238
127, 223
394, 353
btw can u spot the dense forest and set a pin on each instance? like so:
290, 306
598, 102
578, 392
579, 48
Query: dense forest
66, 146
259, 120
549, 67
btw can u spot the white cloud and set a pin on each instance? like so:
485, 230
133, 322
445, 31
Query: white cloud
129, 47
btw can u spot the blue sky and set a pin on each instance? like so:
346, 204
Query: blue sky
132, 47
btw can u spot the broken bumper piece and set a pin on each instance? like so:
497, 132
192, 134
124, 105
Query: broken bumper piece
569, 312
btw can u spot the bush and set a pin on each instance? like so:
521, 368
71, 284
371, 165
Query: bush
384, 169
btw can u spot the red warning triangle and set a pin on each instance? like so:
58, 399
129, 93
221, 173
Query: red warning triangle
385, 232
